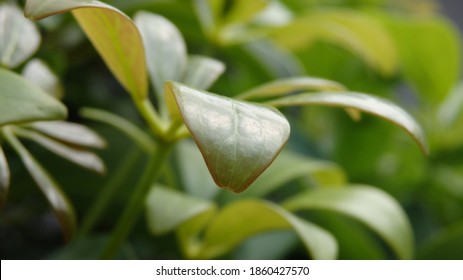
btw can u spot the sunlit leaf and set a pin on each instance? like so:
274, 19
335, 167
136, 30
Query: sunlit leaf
430, 53
246, 218
290, 166
165, 49
38, 73
238, 140
19, 38
290, 85
202, 71
21, 101
55, 197
4, 178
80, 157
113, 34
352, 30
370, 206
363, 102
167, 209
72, 133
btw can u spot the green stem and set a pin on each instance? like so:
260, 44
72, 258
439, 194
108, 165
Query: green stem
108, 191
137, 201
149, 113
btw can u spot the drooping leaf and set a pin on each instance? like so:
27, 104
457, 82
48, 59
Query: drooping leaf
80, 157
238, 140
290, 85
167, 209
21, 101
4, 178
56, 198
355, 31
142, 139
114, 35
430, 53
202, 71
68, 132
165, 49
363, 102
38, 73
290, 166
370, 206
19, 38
246, 218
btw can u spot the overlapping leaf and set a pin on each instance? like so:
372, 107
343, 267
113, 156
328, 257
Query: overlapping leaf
4, 178
202, 71
113, 34
38, 73
238, 140
371, 206
22, 101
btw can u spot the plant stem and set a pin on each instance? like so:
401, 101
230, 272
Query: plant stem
149, 113
137, 200
108, 191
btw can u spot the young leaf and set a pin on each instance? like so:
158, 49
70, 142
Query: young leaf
202, 71
290, 85
114, 35
21, 101
4, 178
238, 140
19, 38
167, 209
246, 218
56, 198
68, 132
165, 49
80, 157
371, 206
38, 72
363, 102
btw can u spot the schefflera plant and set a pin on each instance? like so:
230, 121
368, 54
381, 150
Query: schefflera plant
30, 109
238, 139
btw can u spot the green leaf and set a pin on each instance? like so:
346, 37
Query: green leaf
21, 101
452, 107
445, 245
38, 73
366, 103
355, 31
167, 209
72, 133
19, 38
246, 218
114, 35
165, 49
80, 157
290, 166
4, 178
370, 206
202, 71
290, 85
238, 140
430, 53
242, 11
56, 198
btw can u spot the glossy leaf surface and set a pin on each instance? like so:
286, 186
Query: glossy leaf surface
246, 218
4, 178
21, 101
19, 38
113, 34
38, 73
165, 49
68, 132
371, 206
238, 140
363, 102
55, 197
202, 71
80, 157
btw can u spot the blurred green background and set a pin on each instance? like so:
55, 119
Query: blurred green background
407, 51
